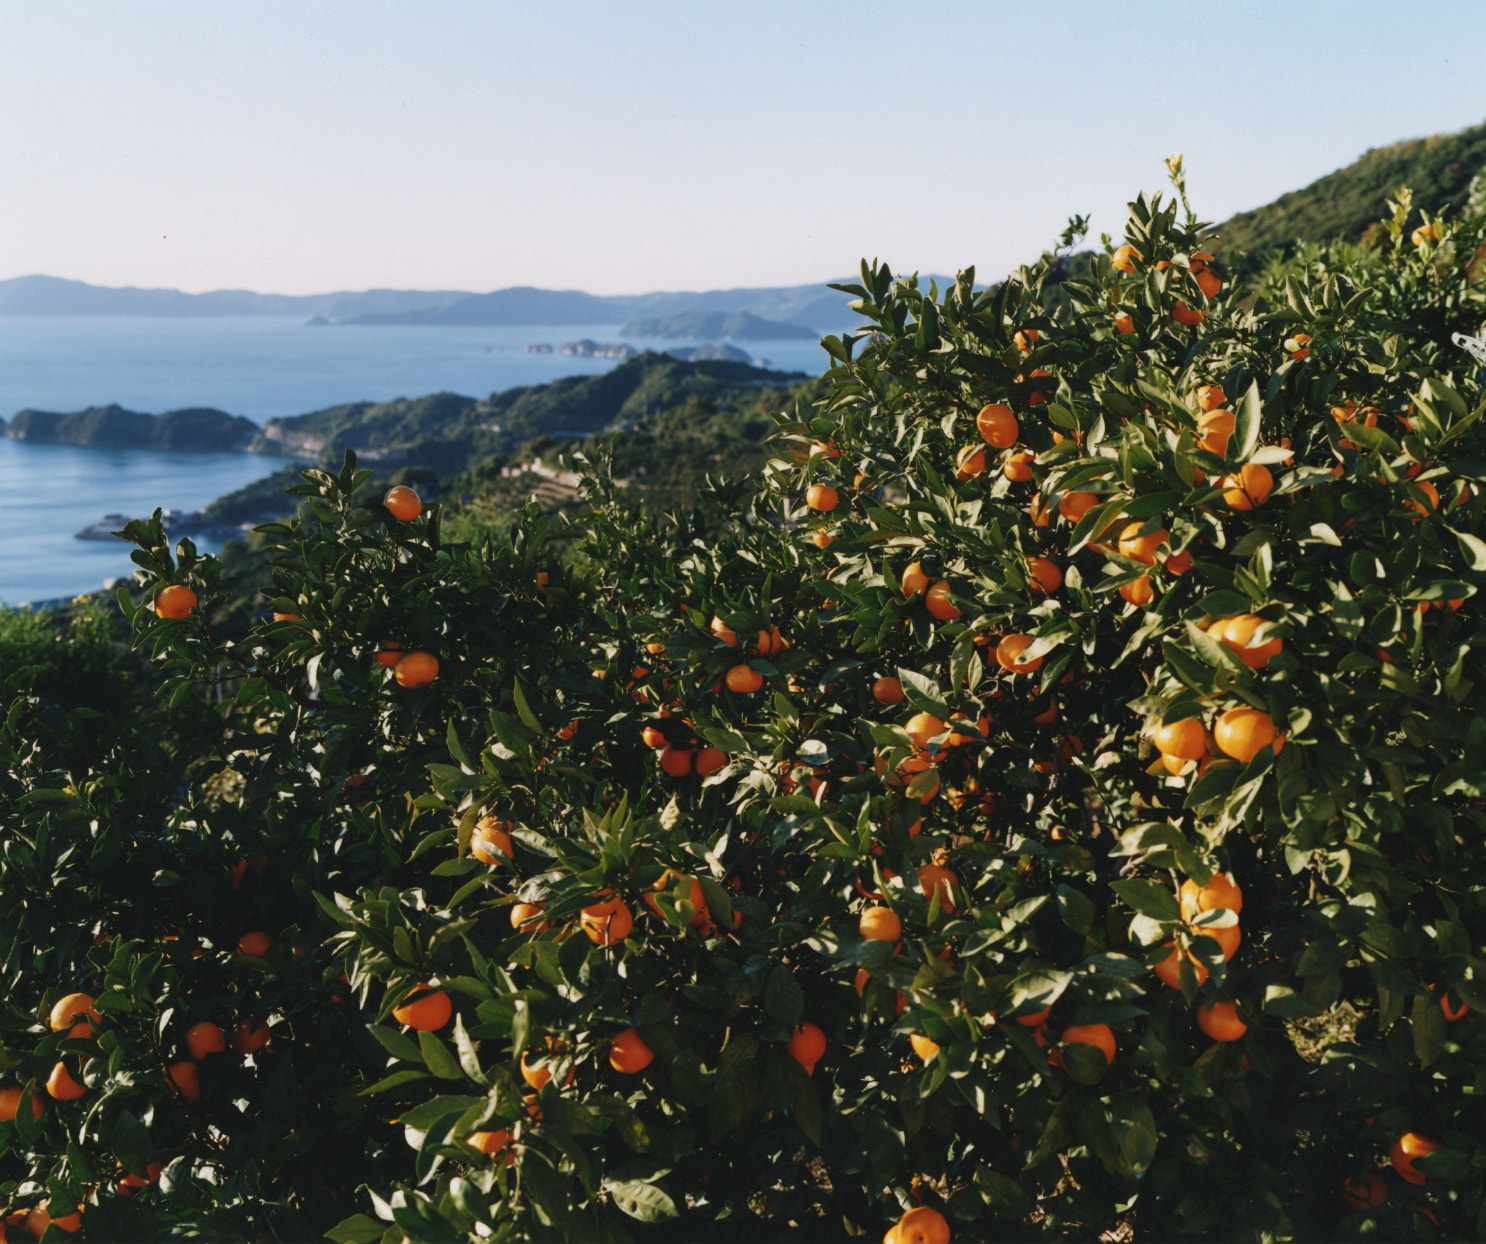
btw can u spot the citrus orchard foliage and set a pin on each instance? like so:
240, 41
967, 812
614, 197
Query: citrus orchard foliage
1052, 806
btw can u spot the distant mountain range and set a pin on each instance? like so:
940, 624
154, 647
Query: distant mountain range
804, 308
717, 326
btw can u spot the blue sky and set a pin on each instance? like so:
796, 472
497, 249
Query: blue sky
623, 147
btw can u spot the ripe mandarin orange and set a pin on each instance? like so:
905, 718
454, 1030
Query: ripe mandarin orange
1222, 893
71, 1009
922, 1046
175, 602
1139, 591
1243, 733
1098, 1035
922, 727
255, 943
490, 843
1185, 739
1009, 651
821, 497
887, 691
628, 1053
970, 462
1249, 488
938, 602
10, 1103
807, 1046
1141, 547
880, 924
606, 923
416, 669
914, 580
920, 1225
403, 503
1018, 467
997, 426
205, 1038
744, 679
1221, 1022
1125, 258
249, 1038
1044, 575
183, 1077
426, 1009
710, 760
1365, 1191
1405, 1150
936, 879
1074, 505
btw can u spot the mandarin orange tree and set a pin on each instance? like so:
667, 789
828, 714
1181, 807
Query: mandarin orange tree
1052, 806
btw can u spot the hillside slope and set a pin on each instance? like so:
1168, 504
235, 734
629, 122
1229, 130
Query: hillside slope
1346, 203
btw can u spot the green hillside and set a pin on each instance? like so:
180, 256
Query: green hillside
1347, 203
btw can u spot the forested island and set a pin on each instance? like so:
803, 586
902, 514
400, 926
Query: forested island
114, 427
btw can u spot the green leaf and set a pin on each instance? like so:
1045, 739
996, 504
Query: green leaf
1135, 1130
438, 1058
1247, 421
804, 1101
395, 1043
1473, 548
357, 1229
642, 1201
1149, 898
129, 1138
784, 1000
523, 709
923, 693
393, 1081
1430, 1030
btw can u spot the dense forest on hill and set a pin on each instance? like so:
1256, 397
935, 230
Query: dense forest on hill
1346, 204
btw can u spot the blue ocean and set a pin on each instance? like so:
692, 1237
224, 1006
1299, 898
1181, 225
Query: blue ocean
258, 367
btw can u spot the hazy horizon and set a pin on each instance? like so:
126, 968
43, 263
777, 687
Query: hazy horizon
668, 146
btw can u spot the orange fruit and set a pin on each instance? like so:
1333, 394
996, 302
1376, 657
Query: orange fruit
1138, 591
1009, 651
1125, 258
914, 580
807, 1046
828, 449
970, 462
1228, 937
1074, 505
880, 924
1237, 635
628, 1053
1036, 1019
1044, 575
492, 1144
923, 1047
1026, 338
1124, 322
1097, 1035
1211, 396
538, 1076
1169, 968
1037, 510
606, 923
1221, 893
205, 1038
1301, 346
1221, 1022
1138, 547
1207, 280
1018, 467
249, 1038
709, 760
1452, 1013
932, 879
997, 426
175, 602
523, 914
744, 679
490, 843
183, 1077
677, 761
38, 1220
1405, 1149
1179, 563
426, 1009
922, 727
10, 1104
403, 503
1431, 502
681, 888
256, 943
72, 1008
821, 538
1185, 315
417, 669
937, 601
1243, 733
61, 1085
722, 632
653, 738
920, 1225
1366, 1191
1249, 489
1185, 739
821, 497
390, 653
887, 691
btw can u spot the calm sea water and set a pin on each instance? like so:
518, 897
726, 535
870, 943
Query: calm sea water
258, 367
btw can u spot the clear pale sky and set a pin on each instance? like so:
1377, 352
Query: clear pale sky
623, 147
